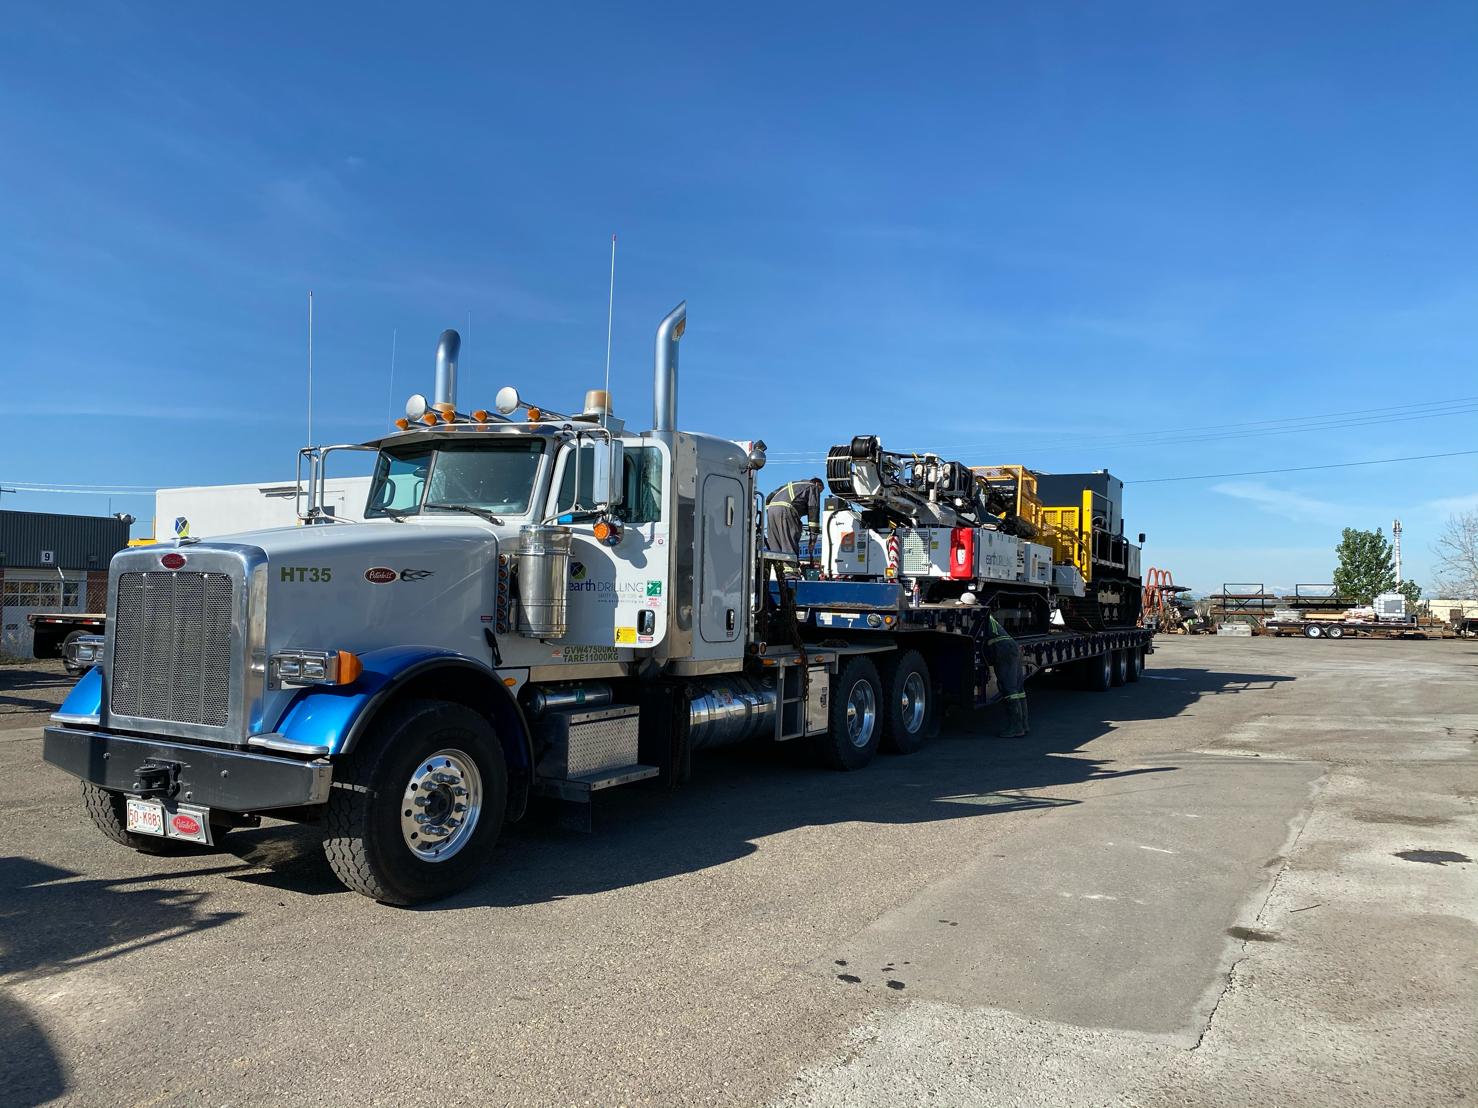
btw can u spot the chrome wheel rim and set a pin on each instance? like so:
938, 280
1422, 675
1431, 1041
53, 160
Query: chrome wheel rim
862, 713
913, 702
442, 802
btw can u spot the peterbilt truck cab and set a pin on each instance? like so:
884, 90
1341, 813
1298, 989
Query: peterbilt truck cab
495, 628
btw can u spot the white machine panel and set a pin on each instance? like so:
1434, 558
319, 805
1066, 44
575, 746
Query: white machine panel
849, 550
997, 555
1036, 564
1068, 580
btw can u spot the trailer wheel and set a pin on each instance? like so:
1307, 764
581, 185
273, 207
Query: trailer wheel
107, 811
71, 667
1135, 658
1097, 673
856, 721
1313, 631
415, 810
909, 715
1118, 667
1335, 632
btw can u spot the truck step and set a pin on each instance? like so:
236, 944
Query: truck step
580, 788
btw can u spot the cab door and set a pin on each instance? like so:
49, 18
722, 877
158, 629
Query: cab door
618, 596
721, 579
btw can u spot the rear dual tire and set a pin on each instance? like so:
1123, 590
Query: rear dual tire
857, 724
910, 713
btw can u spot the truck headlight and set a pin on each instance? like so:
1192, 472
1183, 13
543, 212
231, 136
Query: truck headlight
290, 668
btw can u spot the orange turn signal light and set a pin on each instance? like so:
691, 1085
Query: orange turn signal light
429, 419
535, 415
479, 416
601, 531
350, 667
403, 423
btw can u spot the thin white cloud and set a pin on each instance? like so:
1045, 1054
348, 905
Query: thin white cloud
1452, 505
1281, 502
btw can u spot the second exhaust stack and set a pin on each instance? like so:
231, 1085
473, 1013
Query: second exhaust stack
664, 383
447, 349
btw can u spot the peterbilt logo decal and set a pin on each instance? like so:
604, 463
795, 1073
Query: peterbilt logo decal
380, 575
172, 561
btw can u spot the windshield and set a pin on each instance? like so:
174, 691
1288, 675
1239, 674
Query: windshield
495, 476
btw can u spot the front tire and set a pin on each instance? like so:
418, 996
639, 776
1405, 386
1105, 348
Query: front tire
856, 725
415, 810
909, 714
1119, 667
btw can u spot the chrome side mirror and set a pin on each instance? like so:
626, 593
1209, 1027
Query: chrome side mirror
506, 402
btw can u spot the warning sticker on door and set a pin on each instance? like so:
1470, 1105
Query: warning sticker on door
625, 635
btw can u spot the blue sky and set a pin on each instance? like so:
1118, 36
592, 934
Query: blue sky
1074, 236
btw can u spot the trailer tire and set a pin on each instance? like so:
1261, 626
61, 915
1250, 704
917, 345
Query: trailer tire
910, 714
61, 652
856, 718
107, 811
419, 754
1097, 673
1118, 667
1335, 632
1135, 658
1313, 631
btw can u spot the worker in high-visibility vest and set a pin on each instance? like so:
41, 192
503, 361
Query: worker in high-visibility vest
1005, 658
783, 510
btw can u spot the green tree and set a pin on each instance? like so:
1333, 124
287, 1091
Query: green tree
1365, 566
1412, 591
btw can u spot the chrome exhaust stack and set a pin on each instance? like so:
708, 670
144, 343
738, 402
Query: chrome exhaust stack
664, 383
444, 399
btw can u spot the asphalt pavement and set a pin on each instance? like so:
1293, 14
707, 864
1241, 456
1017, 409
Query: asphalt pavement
1244, 879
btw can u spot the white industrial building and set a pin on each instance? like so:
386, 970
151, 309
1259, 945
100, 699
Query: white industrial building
211, 510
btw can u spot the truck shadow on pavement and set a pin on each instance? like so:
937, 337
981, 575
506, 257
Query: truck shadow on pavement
738, 797
51, 924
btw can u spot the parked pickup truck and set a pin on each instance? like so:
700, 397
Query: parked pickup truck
53, 632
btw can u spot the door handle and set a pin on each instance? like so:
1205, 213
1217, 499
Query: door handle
729, 620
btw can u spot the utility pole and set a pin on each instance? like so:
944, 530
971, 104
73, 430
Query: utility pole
1396, 543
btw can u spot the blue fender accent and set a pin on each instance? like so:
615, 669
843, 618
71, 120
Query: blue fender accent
327, 715
86, 697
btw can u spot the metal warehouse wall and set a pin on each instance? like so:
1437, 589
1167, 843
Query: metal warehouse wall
76, 542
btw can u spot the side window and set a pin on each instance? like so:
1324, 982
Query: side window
641, 478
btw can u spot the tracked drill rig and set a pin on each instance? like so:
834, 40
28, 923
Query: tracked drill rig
955, 535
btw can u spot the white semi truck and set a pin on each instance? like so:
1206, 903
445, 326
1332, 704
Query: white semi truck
536, 605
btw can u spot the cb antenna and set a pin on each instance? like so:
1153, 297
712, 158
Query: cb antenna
390, 404
310, 367
610, 315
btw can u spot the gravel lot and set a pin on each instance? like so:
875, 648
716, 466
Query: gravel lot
1241, 880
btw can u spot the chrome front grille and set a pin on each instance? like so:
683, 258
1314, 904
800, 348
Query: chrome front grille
171, 649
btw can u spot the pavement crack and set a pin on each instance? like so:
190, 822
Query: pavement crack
1246, 951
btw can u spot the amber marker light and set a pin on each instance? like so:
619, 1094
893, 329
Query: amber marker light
350, 667
429, 419
479, 416
535, 415
403, 423
601, 531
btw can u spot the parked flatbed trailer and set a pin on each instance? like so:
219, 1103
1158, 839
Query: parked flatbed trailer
1330, 629
53, 632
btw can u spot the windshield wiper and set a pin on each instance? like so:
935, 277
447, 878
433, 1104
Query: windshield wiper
480, 513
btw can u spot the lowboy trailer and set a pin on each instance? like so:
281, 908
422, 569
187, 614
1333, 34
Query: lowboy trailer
548, 605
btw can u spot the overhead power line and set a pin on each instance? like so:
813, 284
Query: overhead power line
1299, 469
